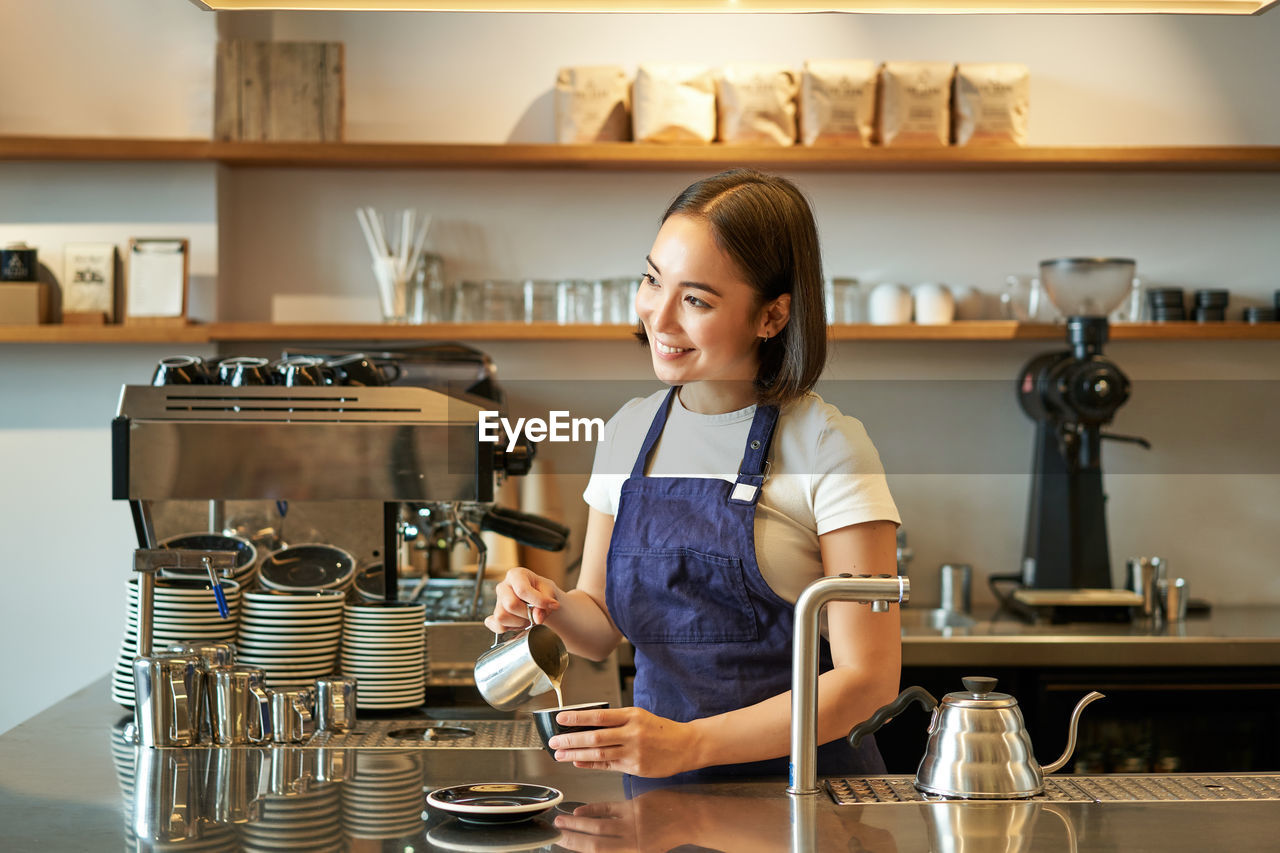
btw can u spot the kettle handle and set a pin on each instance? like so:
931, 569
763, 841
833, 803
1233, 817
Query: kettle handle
888, 712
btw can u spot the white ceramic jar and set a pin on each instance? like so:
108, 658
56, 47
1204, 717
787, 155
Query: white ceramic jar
889, 304
934, 304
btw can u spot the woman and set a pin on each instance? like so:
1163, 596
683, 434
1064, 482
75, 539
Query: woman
744, 487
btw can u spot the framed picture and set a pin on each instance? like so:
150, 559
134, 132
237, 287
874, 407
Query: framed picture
89, 283
157, 279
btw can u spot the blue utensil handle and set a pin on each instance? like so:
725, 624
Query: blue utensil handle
216, 584
223, 610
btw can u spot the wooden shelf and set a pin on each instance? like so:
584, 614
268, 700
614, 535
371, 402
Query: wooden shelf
980, 330
76, 334
638, 157
440, 331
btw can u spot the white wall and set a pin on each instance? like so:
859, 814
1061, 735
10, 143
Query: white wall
1206, 495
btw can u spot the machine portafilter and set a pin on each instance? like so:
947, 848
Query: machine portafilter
1071, 395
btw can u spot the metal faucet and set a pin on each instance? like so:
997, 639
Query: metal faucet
879, 591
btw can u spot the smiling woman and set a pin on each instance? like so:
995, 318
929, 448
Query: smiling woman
740, 251
716, 500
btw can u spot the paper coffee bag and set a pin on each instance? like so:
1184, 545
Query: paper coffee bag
593, 104
674, 103
757, 104
992, 100
838, 102
915, 104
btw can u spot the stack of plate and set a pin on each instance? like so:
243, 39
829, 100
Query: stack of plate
383, 649
292, 637
384, 799
183, 609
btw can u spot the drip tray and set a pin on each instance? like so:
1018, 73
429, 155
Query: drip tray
431, 734
1154, 788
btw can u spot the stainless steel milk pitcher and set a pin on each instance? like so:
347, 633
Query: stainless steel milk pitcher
527, 665
166, 692
240, 709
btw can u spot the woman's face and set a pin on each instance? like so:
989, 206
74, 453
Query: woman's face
701, 317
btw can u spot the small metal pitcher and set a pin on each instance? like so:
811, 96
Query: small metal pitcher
167, 689
527, 665
291, 715
239, 708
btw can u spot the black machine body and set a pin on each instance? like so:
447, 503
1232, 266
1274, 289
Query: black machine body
1070, 395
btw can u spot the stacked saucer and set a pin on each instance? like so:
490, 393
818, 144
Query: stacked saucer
183, 610
246, 568
305, 568
310, 819
292, 637
383, 649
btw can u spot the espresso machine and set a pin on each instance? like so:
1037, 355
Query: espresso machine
1071, 395
411, 449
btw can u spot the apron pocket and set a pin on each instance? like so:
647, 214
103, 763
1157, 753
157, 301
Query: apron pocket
675, 595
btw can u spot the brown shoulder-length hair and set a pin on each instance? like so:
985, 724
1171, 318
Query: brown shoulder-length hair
764, 224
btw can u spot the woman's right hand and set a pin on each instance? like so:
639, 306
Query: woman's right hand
518, 592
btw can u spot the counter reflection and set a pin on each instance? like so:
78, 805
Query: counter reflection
274, 798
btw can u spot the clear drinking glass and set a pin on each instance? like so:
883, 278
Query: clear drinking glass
1025, 300
469, 302
846, 301
618, 300
541, 301
577, 301
503, 301
429, 300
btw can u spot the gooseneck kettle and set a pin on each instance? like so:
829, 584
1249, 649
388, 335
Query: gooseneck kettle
978, 744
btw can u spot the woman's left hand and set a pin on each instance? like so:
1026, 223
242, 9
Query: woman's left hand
629, 740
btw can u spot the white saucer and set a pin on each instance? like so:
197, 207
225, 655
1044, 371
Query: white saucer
301, 646
302, 620
400, 651
313, 631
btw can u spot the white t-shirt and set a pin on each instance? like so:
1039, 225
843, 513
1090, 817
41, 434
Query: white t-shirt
824, 474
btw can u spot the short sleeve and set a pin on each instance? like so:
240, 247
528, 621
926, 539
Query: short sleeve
849, 484
608, 471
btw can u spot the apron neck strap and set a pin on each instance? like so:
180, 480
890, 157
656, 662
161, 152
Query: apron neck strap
758, 441
754, 457
655, 430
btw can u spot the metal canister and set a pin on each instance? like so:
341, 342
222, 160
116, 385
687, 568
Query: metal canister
18, 263
955, 581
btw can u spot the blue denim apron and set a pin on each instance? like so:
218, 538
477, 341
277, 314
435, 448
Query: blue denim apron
684, 587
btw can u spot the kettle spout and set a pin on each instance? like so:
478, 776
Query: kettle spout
1071, 734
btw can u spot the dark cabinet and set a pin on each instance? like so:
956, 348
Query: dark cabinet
1155, 719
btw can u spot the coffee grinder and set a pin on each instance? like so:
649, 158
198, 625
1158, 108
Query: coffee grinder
1071, 395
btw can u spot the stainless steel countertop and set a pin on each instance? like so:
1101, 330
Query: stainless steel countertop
67, 780
1229, 636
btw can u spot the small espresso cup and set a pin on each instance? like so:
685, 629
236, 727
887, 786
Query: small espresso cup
544, 720
181, 370
360, 369
240, 370
303, 371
